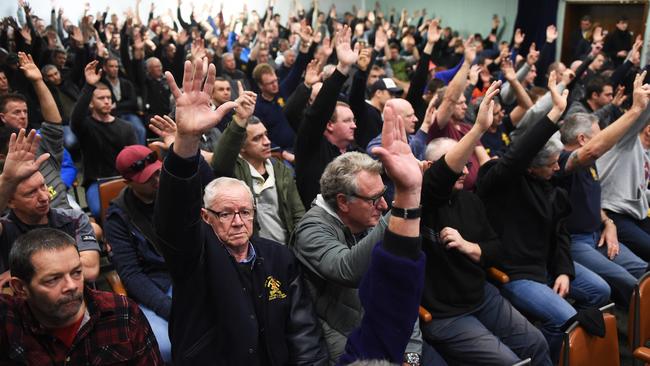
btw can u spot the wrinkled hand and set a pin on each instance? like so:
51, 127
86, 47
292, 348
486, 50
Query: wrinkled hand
92, 73
193, 113
619, 97
641, 92
313, 73
453, 240
609, 236
551, 33
165, 128
485, 115
21, 161
561, 286
395, 153
29, 68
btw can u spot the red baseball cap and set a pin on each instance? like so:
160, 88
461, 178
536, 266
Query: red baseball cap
137, 163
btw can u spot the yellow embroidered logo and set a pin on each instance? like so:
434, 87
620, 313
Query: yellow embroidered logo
594, 173
505, 138
51, 191
274, 288
281, 102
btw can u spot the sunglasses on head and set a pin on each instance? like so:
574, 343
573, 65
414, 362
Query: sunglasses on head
139, 165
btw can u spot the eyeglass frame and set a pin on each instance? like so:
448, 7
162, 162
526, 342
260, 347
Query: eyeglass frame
372, 200
217, 214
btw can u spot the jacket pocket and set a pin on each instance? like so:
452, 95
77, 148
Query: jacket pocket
200, 344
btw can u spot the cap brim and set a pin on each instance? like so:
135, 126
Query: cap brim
147, 172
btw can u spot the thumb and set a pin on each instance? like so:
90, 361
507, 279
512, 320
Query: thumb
240, 88
225, 108
380, 152
601, 241
41, 159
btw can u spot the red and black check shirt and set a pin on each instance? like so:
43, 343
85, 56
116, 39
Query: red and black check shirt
116, 333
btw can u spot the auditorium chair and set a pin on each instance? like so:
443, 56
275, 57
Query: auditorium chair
639, 321
585, 349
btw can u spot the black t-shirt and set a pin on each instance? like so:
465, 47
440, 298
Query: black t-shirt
496, 143
583, 185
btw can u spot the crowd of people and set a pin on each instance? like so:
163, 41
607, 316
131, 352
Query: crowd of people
313, 183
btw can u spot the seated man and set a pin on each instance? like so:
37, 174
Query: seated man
101, 135
472, 323
599, 100
528, 214
238, 299
244, 152
53, 319
125, 98
594, 241
23, 191
130, 233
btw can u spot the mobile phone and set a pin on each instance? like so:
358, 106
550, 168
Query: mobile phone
275, 148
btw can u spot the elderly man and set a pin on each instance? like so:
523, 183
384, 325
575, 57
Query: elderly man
226, 282
23, 191
52, 319
155, 92
334, 240
244, 152
129, 230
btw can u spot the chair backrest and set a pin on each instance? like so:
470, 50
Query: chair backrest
108, 190
638, 326
588, 350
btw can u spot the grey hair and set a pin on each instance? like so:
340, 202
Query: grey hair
553, 147
213, 189
150, 60
47, 68
253, 120
340, 175
438, 147
576, 124
226, 55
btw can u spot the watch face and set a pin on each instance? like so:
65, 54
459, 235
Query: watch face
412, 358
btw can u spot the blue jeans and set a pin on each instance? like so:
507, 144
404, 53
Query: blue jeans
160, 331
92, 199
495, 333
634, 233
138, 127
539, 301
621, 273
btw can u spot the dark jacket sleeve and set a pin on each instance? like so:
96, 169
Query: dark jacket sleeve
419, 81
295, 106
177, 217
562, 262
316, 117
80, 110
227, 150
390, 293
357, 99
291, 81
125, 257
500, 173
437, 184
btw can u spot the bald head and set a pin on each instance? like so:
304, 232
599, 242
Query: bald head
404, 109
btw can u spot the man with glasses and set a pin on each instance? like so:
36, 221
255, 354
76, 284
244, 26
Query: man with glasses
238, 299
129, 231
335, 238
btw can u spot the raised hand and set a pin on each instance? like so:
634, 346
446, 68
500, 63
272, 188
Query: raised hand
508, 70
433, 32
559, 100
519, 38
473, 74
29, 68
21, 161
551, 33
381, 39
313, 73
165, 128
396, 155
533, 55
77, 36
92, 73
364, 59
470, 50
193, 113
429, 115
26, 34
641, 92
485, 115
597, 35
344, 52
245, 103
619, 97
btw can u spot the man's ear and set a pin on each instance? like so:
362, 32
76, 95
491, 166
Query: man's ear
342, 203
204, 215
329, 127
19, 287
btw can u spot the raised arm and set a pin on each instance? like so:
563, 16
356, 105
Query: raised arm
607, 138
523, 99
45, 99
456, 86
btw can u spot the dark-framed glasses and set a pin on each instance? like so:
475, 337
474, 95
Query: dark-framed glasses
374, 199
228, 216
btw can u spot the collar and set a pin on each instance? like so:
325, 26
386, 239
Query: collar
251, 255
320, 202
259, 183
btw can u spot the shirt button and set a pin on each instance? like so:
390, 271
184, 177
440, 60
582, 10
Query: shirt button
252, 316
244, 289
251, 351
67, 359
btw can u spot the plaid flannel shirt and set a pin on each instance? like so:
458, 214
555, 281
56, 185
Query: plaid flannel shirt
117, 333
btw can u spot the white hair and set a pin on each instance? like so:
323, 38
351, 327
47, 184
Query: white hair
212, 190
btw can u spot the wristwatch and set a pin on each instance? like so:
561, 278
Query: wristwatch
412, 359
406, 213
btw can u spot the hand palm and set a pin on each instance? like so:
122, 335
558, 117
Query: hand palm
345, 54
193, 113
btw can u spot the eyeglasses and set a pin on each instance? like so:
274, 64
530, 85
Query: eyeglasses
227, 217
139, 165
373, 200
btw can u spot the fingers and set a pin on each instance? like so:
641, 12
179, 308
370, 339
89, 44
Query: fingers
209, 82
388, 127
187, 77
41, 159
240, 88
176, 92
224, 109
601, 241
197, 78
